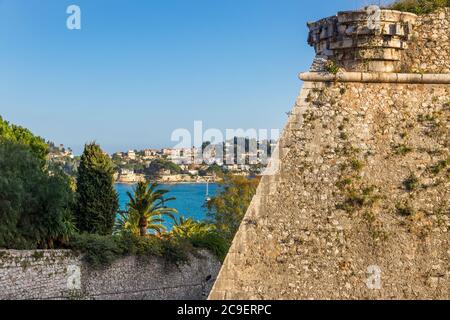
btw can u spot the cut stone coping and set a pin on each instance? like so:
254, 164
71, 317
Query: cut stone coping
376, 77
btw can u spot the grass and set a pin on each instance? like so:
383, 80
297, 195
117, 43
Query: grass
347, 150
332, 67
440, 166
411, 183
419, 7
440, 212
356, 165
405, 209
402, 149
427, 117
37, 255
358, 199
375, 227
342, 184
432, 123
343, 136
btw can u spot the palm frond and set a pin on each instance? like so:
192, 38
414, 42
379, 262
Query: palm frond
147, 201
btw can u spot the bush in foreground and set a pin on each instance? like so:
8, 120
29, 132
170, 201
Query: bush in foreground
228, 207
103, 250
34, 204
22, 136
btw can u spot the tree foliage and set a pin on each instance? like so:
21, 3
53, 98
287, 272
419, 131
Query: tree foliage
158, 165
146, 210
34, 205
20, 135
201, 235
185, 228
230, 205
96, 198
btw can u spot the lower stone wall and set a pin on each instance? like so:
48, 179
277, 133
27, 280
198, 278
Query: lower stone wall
62, 274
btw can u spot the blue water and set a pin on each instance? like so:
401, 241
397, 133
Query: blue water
190, 199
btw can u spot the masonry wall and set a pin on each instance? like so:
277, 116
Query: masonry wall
338, 215
359, 206
429, 46
59, 274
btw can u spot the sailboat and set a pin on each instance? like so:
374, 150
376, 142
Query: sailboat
207, 197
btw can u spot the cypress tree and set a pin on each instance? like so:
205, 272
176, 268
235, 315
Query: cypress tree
97, 201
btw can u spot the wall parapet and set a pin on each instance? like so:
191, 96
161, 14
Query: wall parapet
376, 77
64, 275
365, 40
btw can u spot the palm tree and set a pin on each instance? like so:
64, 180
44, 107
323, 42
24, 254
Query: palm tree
146, 208
185, 228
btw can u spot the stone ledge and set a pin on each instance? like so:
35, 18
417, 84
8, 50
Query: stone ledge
376, 77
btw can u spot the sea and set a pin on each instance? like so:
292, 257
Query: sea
190, 199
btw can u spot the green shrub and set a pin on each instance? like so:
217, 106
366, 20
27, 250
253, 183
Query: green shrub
34, 204
343, 136
356, 165
402, 149
213, 241
411, 183
228, 207
419, 6
358, 199
438, 167
201, 235
405, 209
176, 250
342, 184
22, 136
98, 250
332, 67
101, 250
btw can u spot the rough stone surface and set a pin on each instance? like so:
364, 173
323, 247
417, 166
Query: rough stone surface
359, 207
429, 47
340, 206
59, 274
402, 43
364, 40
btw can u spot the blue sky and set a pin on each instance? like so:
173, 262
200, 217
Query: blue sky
137, 70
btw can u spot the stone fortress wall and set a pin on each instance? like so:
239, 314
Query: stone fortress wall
358, 207
399, 42
354, 42
429, 47
62, 275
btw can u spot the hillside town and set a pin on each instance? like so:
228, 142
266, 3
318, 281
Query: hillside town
205, 164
